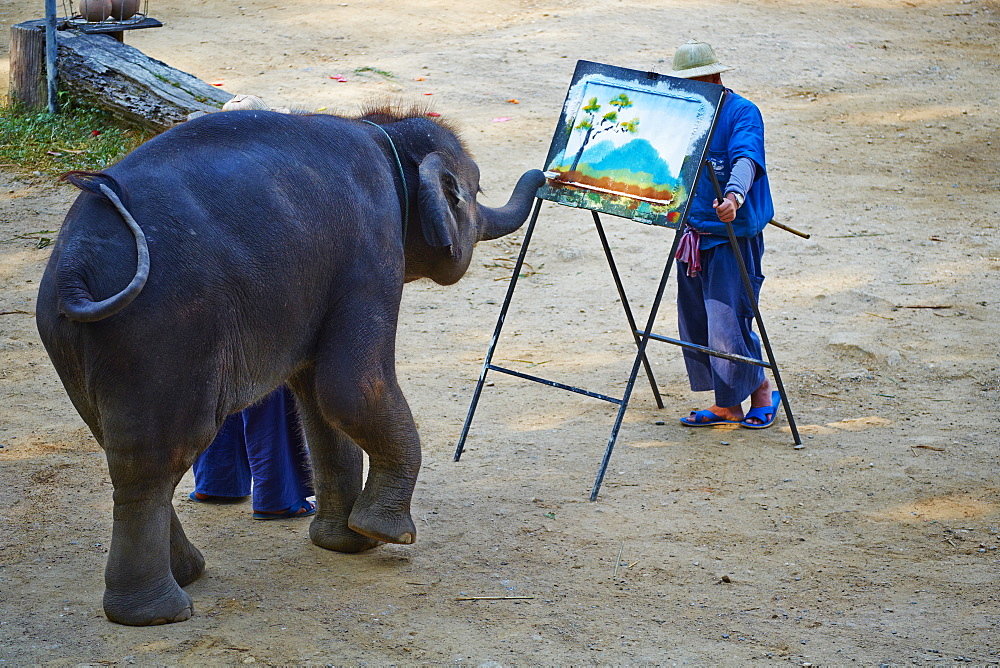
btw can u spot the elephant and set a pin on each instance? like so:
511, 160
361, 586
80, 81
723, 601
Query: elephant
256, 248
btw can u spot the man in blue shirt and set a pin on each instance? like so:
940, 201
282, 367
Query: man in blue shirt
712, 305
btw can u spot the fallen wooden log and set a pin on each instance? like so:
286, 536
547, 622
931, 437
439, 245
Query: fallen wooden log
101, 72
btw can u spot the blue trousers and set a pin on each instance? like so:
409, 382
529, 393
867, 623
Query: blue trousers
714, 310
262, 444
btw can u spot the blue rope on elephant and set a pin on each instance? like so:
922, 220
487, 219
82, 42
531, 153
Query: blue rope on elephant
402, 175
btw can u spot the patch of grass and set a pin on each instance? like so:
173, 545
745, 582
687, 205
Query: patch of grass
375, 70
76, 138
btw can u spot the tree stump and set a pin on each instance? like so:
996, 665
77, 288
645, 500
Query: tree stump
27, 66
99, 71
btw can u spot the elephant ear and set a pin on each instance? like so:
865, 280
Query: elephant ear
437, 200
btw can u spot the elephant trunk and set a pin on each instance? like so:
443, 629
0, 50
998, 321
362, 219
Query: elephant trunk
495, 223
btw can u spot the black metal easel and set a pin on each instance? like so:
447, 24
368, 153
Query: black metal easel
642, 338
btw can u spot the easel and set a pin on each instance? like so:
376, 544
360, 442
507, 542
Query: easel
642, 337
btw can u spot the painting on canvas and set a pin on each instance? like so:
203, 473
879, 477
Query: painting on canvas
630, 143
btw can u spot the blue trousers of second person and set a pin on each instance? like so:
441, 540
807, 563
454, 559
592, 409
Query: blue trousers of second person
262, 445
714, 310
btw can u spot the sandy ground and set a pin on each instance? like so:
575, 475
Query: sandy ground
876, 543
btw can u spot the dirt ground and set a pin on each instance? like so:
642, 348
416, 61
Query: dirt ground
875, 543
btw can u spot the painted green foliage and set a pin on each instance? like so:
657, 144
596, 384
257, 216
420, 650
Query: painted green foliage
609, 122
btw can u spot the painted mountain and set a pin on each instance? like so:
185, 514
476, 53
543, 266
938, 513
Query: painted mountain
634, 169
637, 162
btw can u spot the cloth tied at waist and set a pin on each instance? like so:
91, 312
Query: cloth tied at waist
689, 250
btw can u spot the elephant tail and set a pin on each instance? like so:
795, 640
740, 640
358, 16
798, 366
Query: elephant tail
76, 302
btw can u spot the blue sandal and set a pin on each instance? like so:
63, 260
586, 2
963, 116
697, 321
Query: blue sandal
303, 508
210, 498
766, 414
705, 418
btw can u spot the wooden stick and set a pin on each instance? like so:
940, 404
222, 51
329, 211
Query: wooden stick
786, 228
494, 598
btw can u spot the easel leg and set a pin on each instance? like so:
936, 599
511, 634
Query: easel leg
496, 332
640, 357
757, 317
777, 376
625, 305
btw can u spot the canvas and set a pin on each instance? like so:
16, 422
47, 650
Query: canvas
630, 143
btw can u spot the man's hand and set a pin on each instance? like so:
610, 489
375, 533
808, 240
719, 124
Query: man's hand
727, 210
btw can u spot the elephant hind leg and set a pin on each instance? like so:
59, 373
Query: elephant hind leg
150, 557
140, 588
165, 602
186, 562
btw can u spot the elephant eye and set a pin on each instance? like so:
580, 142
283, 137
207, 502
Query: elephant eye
459, 197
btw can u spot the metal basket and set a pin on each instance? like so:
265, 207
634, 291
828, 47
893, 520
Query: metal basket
75, 20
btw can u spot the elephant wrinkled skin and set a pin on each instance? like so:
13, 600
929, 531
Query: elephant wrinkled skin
231, 254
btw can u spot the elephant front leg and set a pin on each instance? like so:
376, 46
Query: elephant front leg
389, 436
356, 391
337, 463
338, 485
140, 587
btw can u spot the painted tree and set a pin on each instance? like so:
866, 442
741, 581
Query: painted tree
593, 126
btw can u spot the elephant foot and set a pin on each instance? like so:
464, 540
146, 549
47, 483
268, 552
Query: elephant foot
334, 535
385, 524
186, 563
149, 608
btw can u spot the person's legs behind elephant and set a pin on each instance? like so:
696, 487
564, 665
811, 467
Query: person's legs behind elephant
259, 450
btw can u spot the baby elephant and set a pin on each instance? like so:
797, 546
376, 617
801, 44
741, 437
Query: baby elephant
227, 256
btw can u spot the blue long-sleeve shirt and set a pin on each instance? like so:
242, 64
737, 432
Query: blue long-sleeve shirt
739, 133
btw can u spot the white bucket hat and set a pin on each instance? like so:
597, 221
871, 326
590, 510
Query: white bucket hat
251, 102
696, 59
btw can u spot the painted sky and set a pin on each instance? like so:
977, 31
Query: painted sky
667, 122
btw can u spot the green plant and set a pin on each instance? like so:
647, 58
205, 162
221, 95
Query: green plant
374, 70
76, 138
